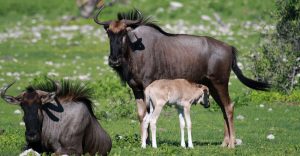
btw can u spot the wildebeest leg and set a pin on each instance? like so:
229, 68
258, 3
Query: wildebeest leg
141, 109
219, 91
182, 125
62, 151
70, 145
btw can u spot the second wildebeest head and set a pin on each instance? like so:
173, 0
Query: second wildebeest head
119, 34
31, 102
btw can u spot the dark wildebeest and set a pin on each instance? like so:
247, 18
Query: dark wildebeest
60, 119
141, 52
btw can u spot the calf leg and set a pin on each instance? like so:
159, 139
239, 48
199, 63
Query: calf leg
153, 122
141, 110
145, 127
187, 116
182, 125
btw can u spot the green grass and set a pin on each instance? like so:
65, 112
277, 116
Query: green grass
27, 57
207, 133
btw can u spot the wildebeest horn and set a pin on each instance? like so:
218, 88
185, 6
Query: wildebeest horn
4, 89
8, 98
106, 23
132, 22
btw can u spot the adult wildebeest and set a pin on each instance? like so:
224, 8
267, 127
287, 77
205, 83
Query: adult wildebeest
179, 92
60, 119
141, 52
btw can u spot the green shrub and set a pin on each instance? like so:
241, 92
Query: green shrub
279, 59
257, 97
115, 100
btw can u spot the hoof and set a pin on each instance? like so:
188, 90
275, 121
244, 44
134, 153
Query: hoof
231, 145
183, 145
191, 147
224, 144
228, 145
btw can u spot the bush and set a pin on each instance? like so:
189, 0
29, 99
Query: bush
257, 97
115, 100
279, 59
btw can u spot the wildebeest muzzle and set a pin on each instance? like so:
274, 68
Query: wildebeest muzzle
116, 62
32, 136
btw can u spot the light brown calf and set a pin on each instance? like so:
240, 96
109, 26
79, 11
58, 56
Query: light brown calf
179, 92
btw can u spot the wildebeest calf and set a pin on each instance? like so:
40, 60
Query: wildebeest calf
179, 92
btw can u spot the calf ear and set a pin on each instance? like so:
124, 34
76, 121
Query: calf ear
47, 97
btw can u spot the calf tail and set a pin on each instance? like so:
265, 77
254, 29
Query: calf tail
147, 100
246, 81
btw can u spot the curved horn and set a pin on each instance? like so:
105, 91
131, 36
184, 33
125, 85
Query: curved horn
4, 89
106, 23
8, 98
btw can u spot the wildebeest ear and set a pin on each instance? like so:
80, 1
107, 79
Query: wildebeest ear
46, 97
132, 37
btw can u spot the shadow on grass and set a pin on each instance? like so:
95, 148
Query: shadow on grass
195, 143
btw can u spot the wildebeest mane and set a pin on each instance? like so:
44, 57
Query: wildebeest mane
70, 91
134, 15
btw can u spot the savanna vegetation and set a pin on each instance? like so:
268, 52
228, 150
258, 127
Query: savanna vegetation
36, 41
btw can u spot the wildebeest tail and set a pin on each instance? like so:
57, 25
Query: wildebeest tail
246, 81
